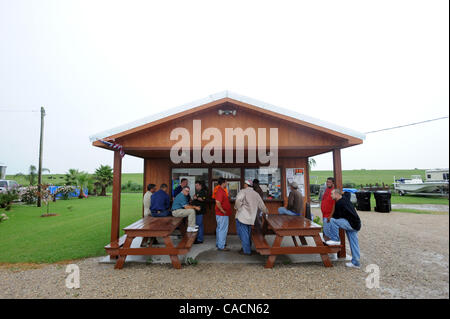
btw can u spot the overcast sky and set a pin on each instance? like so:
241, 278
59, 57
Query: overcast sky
95, 65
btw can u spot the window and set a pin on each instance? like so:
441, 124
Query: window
227, 173
269, 180
233, 177
191, 174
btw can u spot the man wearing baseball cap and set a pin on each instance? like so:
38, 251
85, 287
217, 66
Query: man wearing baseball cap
295, 202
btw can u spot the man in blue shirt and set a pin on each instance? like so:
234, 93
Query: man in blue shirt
160, 203
181, 208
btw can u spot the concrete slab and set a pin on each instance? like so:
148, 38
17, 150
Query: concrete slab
207, 253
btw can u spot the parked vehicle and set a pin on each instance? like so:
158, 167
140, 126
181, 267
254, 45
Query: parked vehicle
415, 185
6, 185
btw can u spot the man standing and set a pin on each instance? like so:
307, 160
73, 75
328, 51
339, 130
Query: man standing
223, 211
295, 202
183, 183
151, 188
327, 207
345, 217
181, 208
201, 193
160, 202
257, 188
248, 202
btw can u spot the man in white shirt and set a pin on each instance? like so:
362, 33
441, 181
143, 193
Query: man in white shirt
151, 188
247, 204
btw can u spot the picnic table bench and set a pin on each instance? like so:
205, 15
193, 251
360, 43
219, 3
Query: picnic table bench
290, 226
149, 228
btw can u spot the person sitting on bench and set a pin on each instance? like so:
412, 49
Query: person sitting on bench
160, 202
295, 202
151, 189
181, 208
345, 217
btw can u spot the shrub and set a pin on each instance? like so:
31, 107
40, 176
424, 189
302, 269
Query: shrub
7, 198
28, 194
131, 187
65, 191
348, 185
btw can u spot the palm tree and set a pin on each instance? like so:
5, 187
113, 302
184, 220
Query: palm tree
71, 176
311, 163
103, 177
82, 180
32, 174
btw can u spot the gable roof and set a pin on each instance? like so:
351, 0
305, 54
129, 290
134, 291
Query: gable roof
295, 117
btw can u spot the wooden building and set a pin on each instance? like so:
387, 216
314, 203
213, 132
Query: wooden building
299, 137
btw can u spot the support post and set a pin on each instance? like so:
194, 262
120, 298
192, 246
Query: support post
115, 216
337, 170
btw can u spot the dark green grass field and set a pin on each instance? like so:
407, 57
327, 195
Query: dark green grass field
82, 229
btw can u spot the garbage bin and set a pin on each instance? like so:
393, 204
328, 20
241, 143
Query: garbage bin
363, 200
383, 201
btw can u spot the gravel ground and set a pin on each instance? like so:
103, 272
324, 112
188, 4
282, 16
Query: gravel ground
411, 250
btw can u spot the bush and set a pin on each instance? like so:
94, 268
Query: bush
7, 198
65, 191
28, 195
348, 185
132, 187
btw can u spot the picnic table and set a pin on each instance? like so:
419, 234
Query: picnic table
293, 227
150, 228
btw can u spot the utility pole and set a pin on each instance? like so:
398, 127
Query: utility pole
40, 156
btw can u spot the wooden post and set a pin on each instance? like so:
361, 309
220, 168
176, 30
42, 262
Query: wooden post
115, 218
337, 170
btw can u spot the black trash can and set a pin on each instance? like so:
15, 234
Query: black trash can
383, 201
363, 200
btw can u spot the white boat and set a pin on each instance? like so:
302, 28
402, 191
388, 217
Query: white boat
415, 185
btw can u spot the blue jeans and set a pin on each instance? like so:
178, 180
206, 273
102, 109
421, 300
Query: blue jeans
352, 236
221, 231
244, 232
326, 227
163, 213
285, 211
199, 222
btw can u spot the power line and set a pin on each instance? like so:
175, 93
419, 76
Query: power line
15, 110
391, 128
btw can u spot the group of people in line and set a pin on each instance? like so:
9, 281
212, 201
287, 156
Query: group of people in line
337, 211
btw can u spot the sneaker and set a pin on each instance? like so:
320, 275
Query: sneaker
192, 230
350, 265
332, 243
197, 242
224, 249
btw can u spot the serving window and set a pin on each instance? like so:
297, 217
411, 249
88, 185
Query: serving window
233, 177
191, 174
269, 181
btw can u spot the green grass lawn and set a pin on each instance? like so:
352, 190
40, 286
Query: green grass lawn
364, 177
81, 231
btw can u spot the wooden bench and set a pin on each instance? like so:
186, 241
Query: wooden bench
153, 227
113, 250
291, 226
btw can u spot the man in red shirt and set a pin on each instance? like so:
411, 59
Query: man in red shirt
327, 207
223, 211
